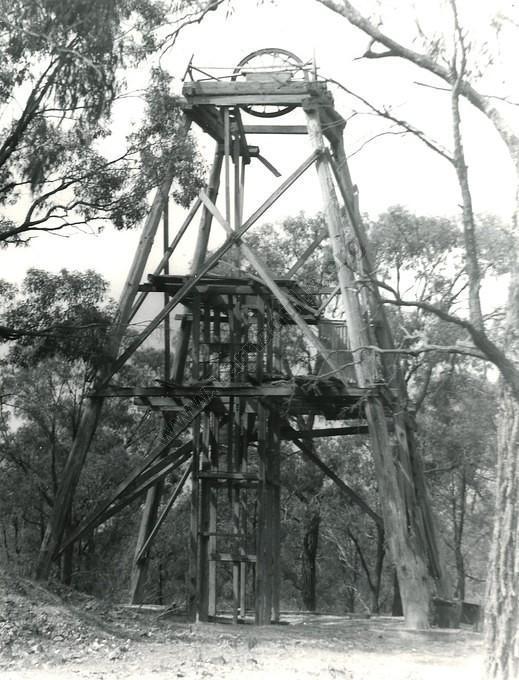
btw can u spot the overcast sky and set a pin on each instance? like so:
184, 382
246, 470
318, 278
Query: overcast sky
389, 170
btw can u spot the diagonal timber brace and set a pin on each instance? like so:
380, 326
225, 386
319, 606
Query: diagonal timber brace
306, 450
176, 493
208, 264
281, 296
126, 493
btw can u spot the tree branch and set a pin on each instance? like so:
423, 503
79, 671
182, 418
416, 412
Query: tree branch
424, 61
385, 113
488, 349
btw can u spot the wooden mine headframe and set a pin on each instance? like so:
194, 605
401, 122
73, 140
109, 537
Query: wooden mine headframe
229, 383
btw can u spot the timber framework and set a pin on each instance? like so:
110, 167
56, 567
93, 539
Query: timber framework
230, 392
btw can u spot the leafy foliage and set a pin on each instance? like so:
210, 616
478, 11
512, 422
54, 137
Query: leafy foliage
457, 435
65, 65
61, 315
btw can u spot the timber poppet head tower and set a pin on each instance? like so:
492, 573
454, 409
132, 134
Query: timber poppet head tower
229, 394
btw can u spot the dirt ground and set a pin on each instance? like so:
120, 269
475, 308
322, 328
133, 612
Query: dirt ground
62, 634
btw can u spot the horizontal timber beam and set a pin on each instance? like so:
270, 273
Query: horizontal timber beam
232, 390
325, 432
248, 99
275, 129
253, 88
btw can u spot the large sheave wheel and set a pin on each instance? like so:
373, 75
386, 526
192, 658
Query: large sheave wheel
270, 64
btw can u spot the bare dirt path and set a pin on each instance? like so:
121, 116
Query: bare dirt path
318, 647
44, 634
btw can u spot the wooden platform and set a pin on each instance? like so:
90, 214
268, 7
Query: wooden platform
213, 288
303, 395
201, 101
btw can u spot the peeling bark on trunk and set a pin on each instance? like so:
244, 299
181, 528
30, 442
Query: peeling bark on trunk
502, 605
406, 548
502, 608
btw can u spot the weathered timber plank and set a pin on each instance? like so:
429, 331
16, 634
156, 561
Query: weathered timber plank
209, 119
221, 474
325, 432
238, 389
275, 129
191, 90
249, 99
232, 557
164, 513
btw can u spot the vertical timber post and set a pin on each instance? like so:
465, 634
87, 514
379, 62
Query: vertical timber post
153, 496
404, 428
409, 559
152, 502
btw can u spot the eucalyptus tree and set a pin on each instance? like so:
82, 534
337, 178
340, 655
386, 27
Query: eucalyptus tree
474, 65
64, 67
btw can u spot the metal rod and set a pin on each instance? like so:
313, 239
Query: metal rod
227, 159
237, 198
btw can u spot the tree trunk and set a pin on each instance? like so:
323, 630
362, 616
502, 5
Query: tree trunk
502, 607
469, 228
396, 607
458, 516
379, 565
460, 575
503, 587
67, 559
309, 567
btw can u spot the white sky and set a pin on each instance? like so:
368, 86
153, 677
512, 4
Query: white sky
390, 170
